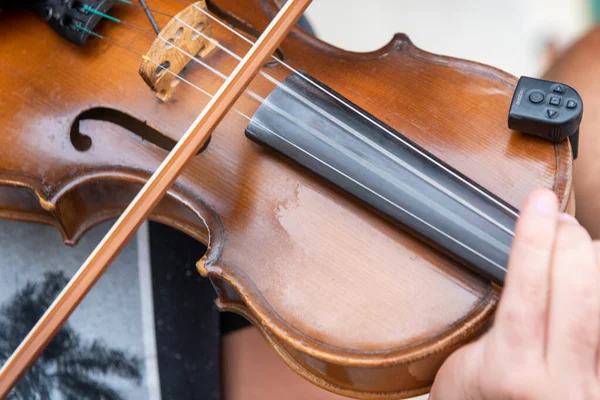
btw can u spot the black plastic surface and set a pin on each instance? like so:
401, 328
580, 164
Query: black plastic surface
347, 146
64, 15
547, 109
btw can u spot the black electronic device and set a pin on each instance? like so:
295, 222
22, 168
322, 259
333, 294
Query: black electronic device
71, 18
550, 110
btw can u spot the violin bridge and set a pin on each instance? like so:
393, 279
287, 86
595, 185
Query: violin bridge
173, 48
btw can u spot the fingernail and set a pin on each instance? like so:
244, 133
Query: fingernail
545, 202
567, 218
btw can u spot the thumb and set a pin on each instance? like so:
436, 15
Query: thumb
458, 378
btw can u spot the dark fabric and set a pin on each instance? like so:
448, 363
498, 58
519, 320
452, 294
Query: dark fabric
232, 322
188, 324
187, 320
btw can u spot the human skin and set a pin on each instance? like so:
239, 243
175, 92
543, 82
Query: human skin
545, 339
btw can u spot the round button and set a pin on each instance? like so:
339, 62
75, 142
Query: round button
47, 13
536, 97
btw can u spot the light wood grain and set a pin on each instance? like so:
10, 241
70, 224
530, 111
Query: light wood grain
174, 48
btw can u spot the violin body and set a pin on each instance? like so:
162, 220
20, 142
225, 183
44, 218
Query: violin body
348, 298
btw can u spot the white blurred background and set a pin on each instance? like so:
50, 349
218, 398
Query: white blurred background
513, 35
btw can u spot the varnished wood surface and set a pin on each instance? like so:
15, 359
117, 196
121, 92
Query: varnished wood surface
149, 196
349, 300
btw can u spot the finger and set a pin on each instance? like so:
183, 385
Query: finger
567, 218
574, 313
596, 245
521, 318
458, 378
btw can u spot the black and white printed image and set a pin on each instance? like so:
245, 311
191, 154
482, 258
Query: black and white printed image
100, 352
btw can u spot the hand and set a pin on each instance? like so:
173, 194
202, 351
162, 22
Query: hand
545, 341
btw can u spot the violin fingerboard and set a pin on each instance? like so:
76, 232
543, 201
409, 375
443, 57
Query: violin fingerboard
324, 132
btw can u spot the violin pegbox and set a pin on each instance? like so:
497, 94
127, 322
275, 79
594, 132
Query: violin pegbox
186, 35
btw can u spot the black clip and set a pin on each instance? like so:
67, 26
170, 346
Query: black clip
550, 110
67, 17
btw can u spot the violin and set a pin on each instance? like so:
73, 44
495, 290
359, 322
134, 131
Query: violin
358, 208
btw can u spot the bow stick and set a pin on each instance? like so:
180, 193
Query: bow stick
141, 206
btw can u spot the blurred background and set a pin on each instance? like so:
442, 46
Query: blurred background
518, 36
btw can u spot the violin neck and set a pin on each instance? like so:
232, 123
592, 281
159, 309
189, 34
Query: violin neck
324, 132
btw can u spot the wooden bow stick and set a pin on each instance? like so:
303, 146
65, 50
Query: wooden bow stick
156, 187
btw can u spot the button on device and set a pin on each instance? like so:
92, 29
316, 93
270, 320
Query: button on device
551, 113
559, 89
555, 101
536, 97
571, 104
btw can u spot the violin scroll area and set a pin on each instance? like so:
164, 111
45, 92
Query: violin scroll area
186, 36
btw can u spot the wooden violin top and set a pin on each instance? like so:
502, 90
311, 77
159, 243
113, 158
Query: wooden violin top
349, 299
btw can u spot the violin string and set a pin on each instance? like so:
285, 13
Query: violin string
176, 76
403, 186
354, 109
197, 60
452, 238
325, 114
323, 162
279, 111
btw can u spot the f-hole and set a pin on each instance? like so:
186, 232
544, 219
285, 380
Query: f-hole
83, 142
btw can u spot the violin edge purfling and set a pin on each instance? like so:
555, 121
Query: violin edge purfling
375, 314
146, 200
